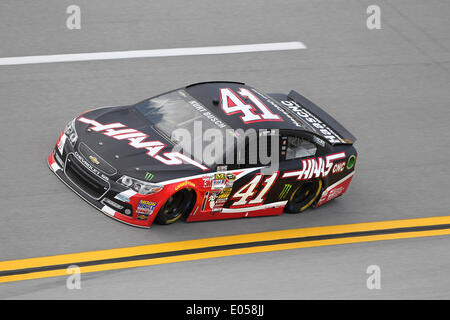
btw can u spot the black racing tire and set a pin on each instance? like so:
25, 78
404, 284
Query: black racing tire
304, 196
178, 205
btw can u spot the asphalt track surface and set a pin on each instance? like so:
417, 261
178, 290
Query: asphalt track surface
389, 87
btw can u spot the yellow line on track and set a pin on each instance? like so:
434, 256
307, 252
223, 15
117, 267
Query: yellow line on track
68, 259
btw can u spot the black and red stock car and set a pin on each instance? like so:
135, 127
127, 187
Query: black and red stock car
126, 162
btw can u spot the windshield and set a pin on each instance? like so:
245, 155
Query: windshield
173, 112
176, 110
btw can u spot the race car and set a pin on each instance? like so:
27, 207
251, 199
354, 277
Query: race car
156, 161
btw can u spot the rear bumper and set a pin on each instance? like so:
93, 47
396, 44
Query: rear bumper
336, 189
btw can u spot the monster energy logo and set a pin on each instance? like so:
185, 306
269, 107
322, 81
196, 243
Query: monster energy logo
285, 191
148, 176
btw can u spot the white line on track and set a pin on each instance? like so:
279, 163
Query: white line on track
277, 46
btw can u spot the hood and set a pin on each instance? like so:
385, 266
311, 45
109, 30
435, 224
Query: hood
96, 130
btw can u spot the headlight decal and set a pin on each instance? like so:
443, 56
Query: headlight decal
139, 186
61, 143
71, 132
125, 196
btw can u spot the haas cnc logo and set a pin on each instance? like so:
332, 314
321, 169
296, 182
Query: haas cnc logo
315, 168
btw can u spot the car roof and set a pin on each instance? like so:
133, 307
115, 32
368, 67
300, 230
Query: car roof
208, 93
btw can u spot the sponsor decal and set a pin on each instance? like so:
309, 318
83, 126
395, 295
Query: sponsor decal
279, 108
335, 193
94, 160
267, 132
219, 176
145, 207
222, 168
225, 193
338, 167
142, 216
223, 180
112, 204
318, 141
90, 167
229, 184
207, 181
217, 184
335, 190
61, 143
122, 197
231, 177
218, 199
285, 191
219, 203
185, 184
138, 140
329, 195
212, 199
351, 161
312, 121
315, 167
58, 159
148, 176
218, 206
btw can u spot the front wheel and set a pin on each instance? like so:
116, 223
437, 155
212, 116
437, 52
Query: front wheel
304, 196
176, 206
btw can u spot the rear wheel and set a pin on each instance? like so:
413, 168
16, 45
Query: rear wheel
176, 206
304, 196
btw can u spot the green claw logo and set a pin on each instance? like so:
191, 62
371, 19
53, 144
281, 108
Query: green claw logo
148, 176
285, 191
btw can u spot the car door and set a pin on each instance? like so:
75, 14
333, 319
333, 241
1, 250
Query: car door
302, 162
253, 192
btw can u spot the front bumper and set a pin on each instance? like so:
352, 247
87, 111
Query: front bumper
125, 200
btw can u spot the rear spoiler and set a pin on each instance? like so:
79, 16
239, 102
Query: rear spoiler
322, 115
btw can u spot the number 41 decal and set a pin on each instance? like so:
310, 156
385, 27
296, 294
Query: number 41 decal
232, 103
248, 190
